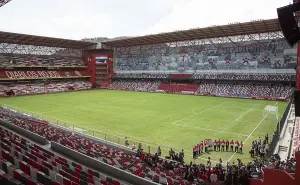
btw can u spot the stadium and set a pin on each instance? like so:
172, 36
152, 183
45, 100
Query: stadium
211, 105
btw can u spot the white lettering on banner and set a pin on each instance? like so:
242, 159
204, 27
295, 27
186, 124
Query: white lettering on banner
8, 74
32, 74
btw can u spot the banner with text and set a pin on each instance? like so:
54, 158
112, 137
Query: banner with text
37, 74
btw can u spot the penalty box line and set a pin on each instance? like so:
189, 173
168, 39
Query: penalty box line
187, 117
175, 122
207, 129
251, 133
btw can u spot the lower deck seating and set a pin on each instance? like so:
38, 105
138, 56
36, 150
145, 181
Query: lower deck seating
22, 162
40, 88
246, 90
178, 87
217, 89
135, 85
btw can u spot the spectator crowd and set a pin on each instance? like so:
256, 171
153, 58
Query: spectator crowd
232, 76
135, 85
214, 76
17, 89
207, 88
246, 90
38, 61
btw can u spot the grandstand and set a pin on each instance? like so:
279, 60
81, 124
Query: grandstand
39, 65
111, 137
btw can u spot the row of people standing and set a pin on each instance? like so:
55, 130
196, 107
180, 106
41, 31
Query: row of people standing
218, 146
200, 148
260, 147
222, 146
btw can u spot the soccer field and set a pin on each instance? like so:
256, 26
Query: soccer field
155, 119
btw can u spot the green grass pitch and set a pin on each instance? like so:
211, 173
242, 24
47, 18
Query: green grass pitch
155, 119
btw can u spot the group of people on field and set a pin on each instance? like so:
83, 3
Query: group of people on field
218, 146
259, 147
222, 146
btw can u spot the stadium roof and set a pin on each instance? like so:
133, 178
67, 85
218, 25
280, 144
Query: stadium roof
254, 27
16, 38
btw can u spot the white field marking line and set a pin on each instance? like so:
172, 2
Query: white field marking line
197, 113
86, 106
194, 110
127, 99
250, 134
237, 119
200, 128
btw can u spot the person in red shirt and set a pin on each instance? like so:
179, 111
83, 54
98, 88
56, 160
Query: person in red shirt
222, 145
204, 177
231, 145
205, 146
236, 146
227, 145
241, 147
201, 147
219, 145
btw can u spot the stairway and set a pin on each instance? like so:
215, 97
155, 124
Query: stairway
283, 148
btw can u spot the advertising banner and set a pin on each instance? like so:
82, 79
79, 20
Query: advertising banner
37, 74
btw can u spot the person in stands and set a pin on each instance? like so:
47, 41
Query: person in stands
227, 145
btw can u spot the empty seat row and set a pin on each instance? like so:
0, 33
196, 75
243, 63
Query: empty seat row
23, 161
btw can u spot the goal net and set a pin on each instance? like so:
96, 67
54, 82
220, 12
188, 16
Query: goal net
271, 110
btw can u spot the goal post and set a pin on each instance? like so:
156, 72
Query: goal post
271, 110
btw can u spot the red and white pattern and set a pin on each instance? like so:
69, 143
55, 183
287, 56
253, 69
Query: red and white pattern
296, 137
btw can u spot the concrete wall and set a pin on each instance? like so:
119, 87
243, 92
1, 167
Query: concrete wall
34, 137
100, 166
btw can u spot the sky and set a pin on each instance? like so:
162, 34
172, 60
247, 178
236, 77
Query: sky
77, 19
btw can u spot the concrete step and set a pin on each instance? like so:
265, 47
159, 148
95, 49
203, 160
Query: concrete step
283, 148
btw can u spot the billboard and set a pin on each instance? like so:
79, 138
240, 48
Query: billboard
38, 74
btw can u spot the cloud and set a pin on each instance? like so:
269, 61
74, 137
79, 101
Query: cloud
202, 13
76, 19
